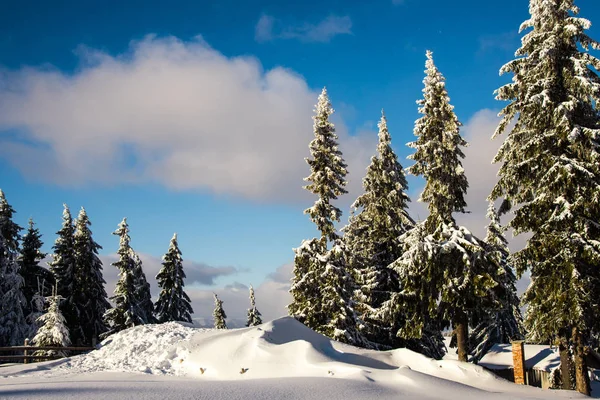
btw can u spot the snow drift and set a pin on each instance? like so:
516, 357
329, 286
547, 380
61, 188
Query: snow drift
276, 353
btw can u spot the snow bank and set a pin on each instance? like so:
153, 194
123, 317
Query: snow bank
281, 353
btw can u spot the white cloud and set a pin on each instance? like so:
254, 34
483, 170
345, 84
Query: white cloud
268, 28
167, 111
264, 28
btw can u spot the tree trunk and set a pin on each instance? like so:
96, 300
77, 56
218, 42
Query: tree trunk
582, 378
460, 327
565, 364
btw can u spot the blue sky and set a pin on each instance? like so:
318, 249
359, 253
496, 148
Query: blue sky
194, 116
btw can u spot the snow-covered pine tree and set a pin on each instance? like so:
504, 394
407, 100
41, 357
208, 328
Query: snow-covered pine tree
550, 173
37, 279
89, 295
306, 287
53, 330
336, 303
173, 303
506, 324
328, 171
142, 291
126, 312
62, 267
327, 181
408, 314
38, 304
9, 231
13, 326
449, 274
253, 313
219, 314
379, 218
8, 228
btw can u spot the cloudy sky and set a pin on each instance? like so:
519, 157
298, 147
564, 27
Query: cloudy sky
195, 116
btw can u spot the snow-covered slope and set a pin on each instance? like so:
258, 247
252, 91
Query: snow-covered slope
259, 361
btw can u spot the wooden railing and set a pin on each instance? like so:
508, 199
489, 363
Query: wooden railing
28, 351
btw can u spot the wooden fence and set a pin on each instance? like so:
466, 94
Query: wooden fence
27, 353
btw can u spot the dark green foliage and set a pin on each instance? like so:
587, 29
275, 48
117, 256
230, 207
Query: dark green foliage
126, 313
253, 313
550, 171
89, 296
328, 171
62, 267
37, 279
219, 314
173, 303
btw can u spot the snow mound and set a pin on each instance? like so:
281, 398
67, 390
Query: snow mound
281, 350
155, 349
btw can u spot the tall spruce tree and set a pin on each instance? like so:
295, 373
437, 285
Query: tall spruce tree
126, 312
446, 273
62, 267
173, 303
506, 324
550, 174
314, 269
89, 296
337, 305
142, 291
379, 218
37, 279
219, 314
328, 171
13, 326
8, 228
254, 318
306, 283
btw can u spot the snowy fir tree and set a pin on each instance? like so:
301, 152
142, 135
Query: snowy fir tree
306, 286
445, 271
173, 303
13, 326
8, 228
219, 315
253, 313
38, 303
62, 267
506, 324
37, 279
126, 312
327, 181
89, 295
417, 329
142, 291
379, 218
53, 330
549, 173
328, 171
337, 307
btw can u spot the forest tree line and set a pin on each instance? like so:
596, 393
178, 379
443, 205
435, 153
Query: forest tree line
67, 303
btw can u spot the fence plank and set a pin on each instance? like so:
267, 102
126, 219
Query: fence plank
16, 348
28, 357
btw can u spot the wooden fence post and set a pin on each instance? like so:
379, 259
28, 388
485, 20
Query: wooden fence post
25, 353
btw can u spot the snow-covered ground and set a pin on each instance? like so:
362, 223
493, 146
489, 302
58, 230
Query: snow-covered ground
281, 359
